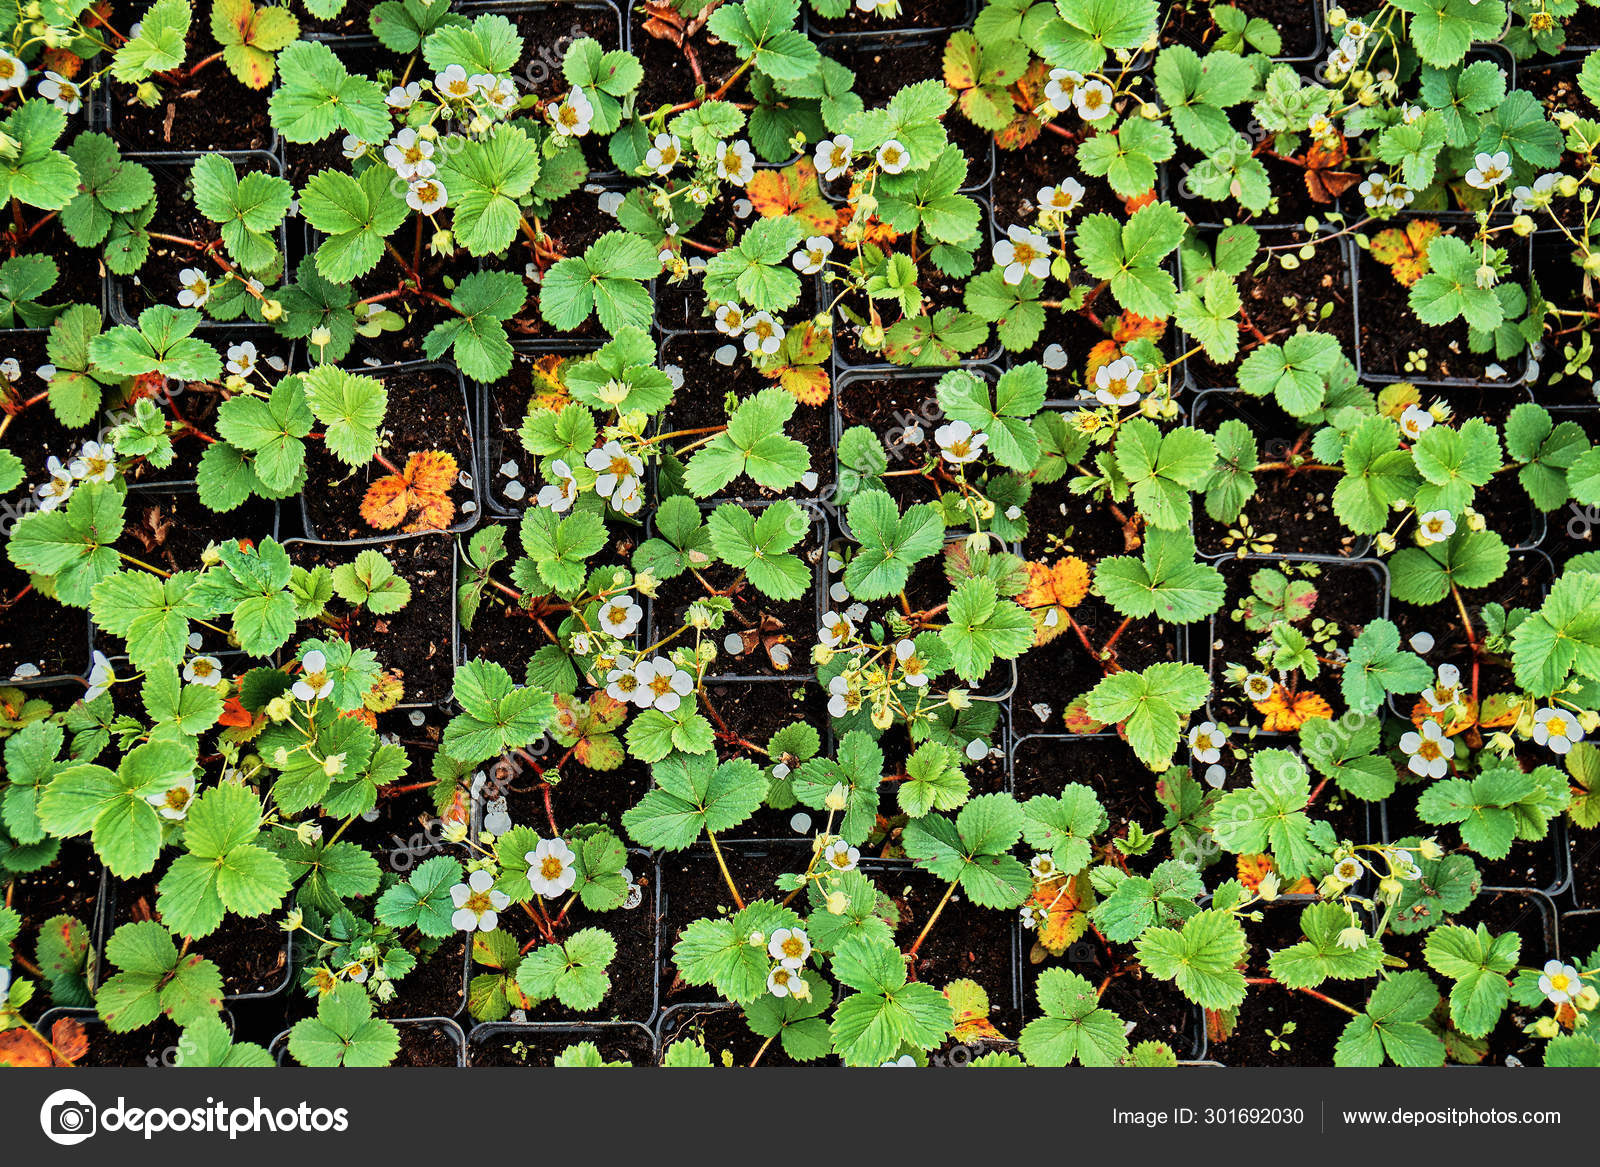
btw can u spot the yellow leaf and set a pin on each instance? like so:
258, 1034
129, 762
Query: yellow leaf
793, 191
970, 1004
1286, 712
1064, 904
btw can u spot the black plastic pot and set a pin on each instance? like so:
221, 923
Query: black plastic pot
467, 510
872, 31
1578, 935
1364, 268
347, 551
1377, 582
162, 1055
177, 165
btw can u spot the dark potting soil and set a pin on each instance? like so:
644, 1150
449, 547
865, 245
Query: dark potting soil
1385, 348
889, 406
1347, 596
426, 411
1063, 347
1057, 673
68, 887
1291, 200
1527, 577
701, 401
1563, 282
1583, 28
1294, 508
573, 224
353, 20
414, 643
1189, 22
681, 305
428, 1044
440, 276
1579, 933
210, 111
632, 995
1556, 87
35, 630
754, 711
35, 435
1156, 1009
507, 407
437, 986
692, 888
155, 1045
668, 77
252, 954
79, 275
966, 942
915, 16
535, 1045
158, 280
1281, 301
1107, 765
1269, 1010
1019, 176
1063, 523
727, 1037
1584, 846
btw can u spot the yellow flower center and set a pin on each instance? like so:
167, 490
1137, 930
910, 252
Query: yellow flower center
1557, 726
1429, 750
551, 867
478, 903
1561, 982
793, 947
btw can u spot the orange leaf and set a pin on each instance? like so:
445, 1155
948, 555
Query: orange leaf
1324, 180
1286, 712
794, 191
1466, 716
422, 487
20, 1048
70, 1039
1131, 326
1054, 589
549, 386
1253, 869
233, 713
1100, 355
1065, 904
1139, 200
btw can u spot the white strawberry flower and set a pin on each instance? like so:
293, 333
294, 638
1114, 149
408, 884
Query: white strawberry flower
96, 462
789, 946
1445, 690
1429, 752
736, 162
13, 73
730, 319
404, 96
1415, 421
913, 669
763, 334
194, 289
478, 904
959, 443
427, 196
1092, 100
1023, 253
1525, 198
242, 358
173, 804
841, 856
623, 683
560, 494
832, 158
1206, 741
1435, 527
893, 157
813, 257
619, 616
1489, 170
666, 685
101, 676
664, 154
409, 156
60, 92
619, 471
552, 868
58, 488
1118, 382
203, 670
1560, 983
1556, 728
454, 85
314, 683
1062, 85
1063, 198
784, 982
573, 115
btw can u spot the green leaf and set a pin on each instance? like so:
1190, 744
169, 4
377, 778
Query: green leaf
1164, 468
754, 443
344, 1032
891, 543
1393, 1025
1129, 255
758, 546
357, 214
496, 715
485, 177
1201, 958
1165, 581
1320, 956
1074, 1027
1377, 666
317, 96
605, 280
694, 793
885, 1012
984, 627
1478, 963
248, 211
1150, 705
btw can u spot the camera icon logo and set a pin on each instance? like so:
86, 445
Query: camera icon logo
68, 1117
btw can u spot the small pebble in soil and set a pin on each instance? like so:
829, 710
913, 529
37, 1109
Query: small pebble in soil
1422, 642
801, 823
1216, 775
510, 469
514, 490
